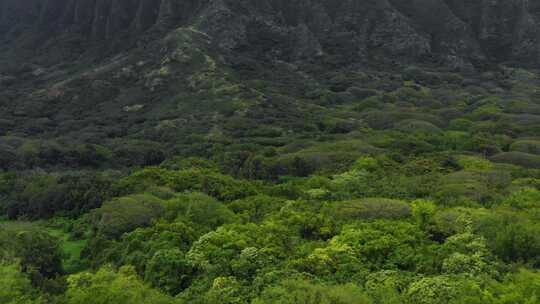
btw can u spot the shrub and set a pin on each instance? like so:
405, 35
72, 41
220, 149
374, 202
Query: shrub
8, 157
256, 208
518, 158
383, 244
138, 247
524, 198
108, 286
423, 212
337, 125
222, 187
417, 126
169, 271
179, 163
125, 214
526, 146
434, 290
329, 156
372, 208
40, 196
377, 119
139, 153
466, 193
16, 287
370, 103
485, 112
292, 292
416, 95
38, 252
511, 236
200, 209
473, 163
417, 74
361, 93
460, 124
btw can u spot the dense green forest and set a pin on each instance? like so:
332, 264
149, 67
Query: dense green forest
269, 152
399, 210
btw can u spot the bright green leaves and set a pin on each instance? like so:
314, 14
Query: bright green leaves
107, 287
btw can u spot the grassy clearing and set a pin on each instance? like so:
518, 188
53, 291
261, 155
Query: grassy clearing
71, 248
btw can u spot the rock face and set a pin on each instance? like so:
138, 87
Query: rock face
457, 33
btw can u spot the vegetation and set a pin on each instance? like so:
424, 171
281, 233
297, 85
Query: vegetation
179, 174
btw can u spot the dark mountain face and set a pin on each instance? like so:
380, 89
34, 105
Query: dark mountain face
457, 33
164, 75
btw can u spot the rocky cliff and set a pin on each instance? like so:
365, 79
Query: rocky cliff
457, 33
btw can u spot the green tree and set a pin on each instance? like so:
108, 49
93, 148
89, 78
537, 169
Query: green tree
423, 212
169, 271
293, 292
16, 287
110, 287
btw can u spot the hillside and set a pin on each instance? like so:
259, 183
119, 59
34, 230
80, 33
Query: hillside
269, 151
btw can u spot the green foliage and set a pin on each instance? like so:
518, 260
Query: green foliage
169, 271
524, 198
126, 214
291, 292
256, 208
468, 254
134, 246
372, 208
434, 290
16, 287
511, 236
222, 187
40, 195
38, 252
423, 212
270, 182
526, 146
377, 245
71, 246
215, 251
473, 163
521, 287
417, 126
204, 212
107, 286
470, 187
518, 158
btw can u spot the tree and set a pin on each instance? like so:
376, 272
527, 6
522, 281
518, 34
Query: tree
38, 253
384, 244
126, 214
16, 287
423, 212
107, 287
305, 292
169, 271
214, 252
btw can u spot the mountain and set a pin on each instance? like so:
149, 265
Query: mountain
457, 32
269, 151
165, 77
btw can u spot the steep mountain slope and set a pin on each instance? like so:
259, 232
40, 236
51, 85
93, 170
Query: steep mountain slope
452, 29
173, 76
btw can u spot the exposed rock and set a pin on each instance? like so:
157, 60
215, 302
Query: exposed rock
133, 108
458, 33
6, 81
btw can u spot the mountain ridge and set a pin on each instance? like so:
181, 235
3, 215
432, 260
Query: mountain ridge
456, 33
